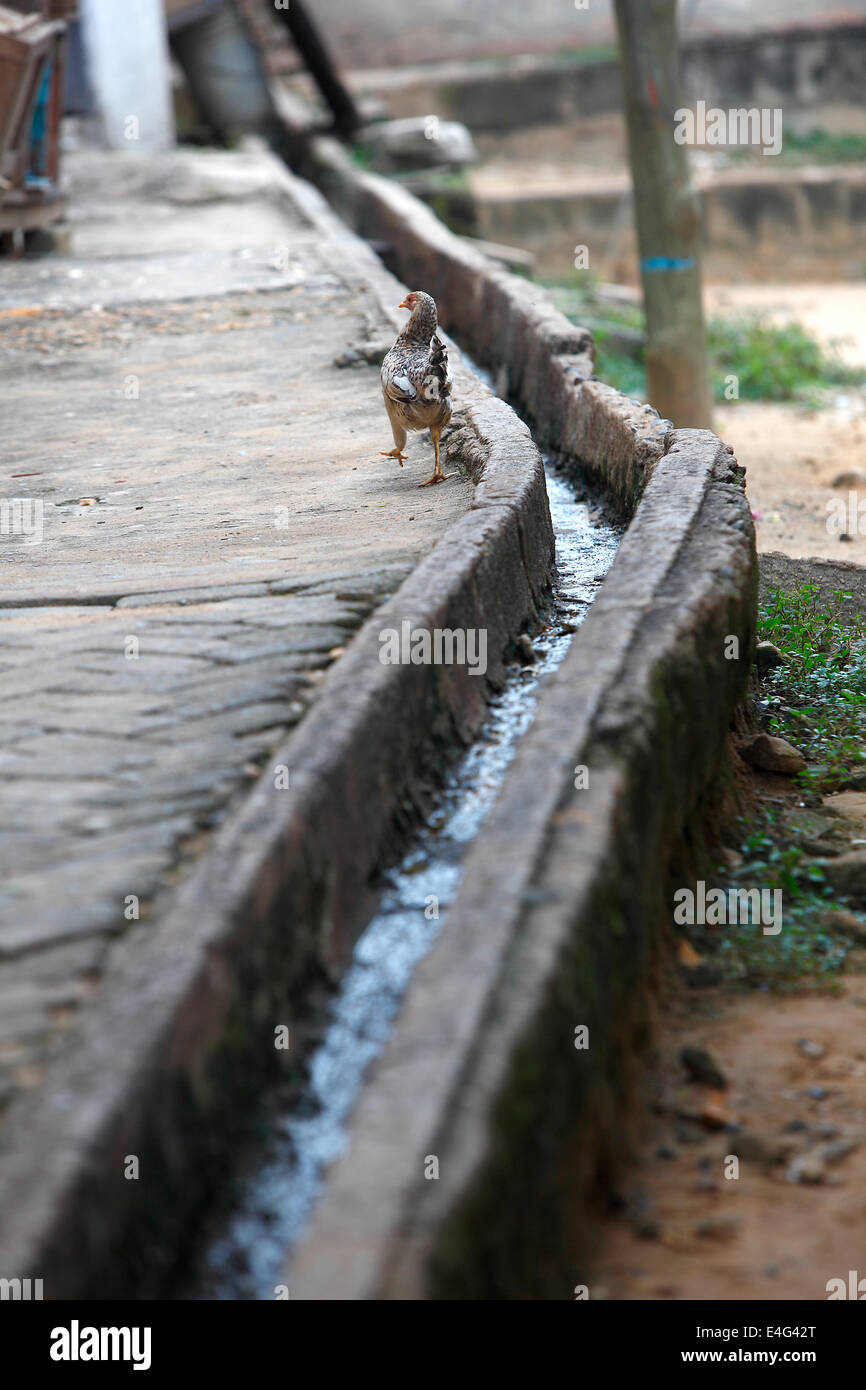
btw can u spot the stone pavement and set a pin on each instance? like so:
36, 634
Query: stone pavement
205, 520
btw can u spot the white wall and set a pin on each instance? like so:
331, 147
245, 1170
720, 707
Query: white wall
126, 50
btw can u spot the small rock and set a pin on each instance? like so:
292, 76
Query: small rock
647, 1229
767, 656
702, 1068
839, 1149
846, 875
839, 923
666, 1151
795, 1126
821, 849
773, 755
715, 1114
753, 1149
817, 1093
686, 954
718, 1227
853, 478
416, 142
811, 1049
808, 1167
525, 650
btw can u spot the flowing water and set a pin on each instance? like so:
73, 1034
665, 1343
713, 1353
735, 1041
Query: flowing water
276, 1197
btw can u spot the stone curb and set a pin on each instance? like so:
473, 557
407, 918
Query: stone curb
556, 924
778, 571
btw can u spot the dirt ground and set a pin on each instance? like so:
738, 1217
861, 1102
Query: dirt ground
792, 458
684, 1230
792, 1217
691, 1232
793, 455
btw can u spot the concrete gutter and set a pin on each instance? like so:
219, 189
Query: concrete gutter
561, 917
559, 923
167, 1057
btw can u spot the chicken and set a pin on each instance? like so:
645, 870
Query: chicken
416, 383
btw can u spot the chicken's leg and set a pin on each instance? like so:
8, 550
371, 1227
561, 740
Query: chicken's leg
437, 476
400, 440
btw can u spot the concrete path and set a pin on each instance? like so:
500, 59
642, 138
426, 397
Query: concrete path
204, 520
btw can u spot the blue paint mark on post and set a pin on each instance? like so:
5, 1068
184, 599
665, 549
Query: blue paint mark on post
668, 263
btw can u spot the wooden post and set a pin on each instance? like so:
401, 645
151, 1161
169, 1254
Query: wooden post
667, 213
312, 49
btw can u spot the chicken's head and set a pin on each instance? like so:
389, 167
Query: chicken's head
422, 325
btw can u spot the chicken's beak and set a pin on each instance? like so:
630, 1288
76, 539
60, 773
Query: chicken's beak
405, 304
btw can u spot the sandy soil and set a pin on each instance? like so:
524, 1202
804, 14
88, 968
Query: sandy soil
758, 1235
793, 456
692, 1228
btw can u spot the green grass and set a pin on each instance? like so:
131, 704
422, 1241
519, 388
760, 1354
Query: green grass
803, 951
619, 371
818, 147
592, 53
804, 954
817, 700
772, 362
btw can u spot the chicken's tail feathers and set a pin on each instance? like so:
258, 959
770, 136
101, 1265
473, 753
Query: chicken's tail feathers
439, 365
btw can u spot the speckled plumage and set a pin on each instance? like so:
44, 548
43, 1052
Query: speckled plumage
416, 384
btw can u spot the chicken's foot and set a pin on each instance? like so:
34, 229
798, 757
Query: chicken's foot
437, 476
